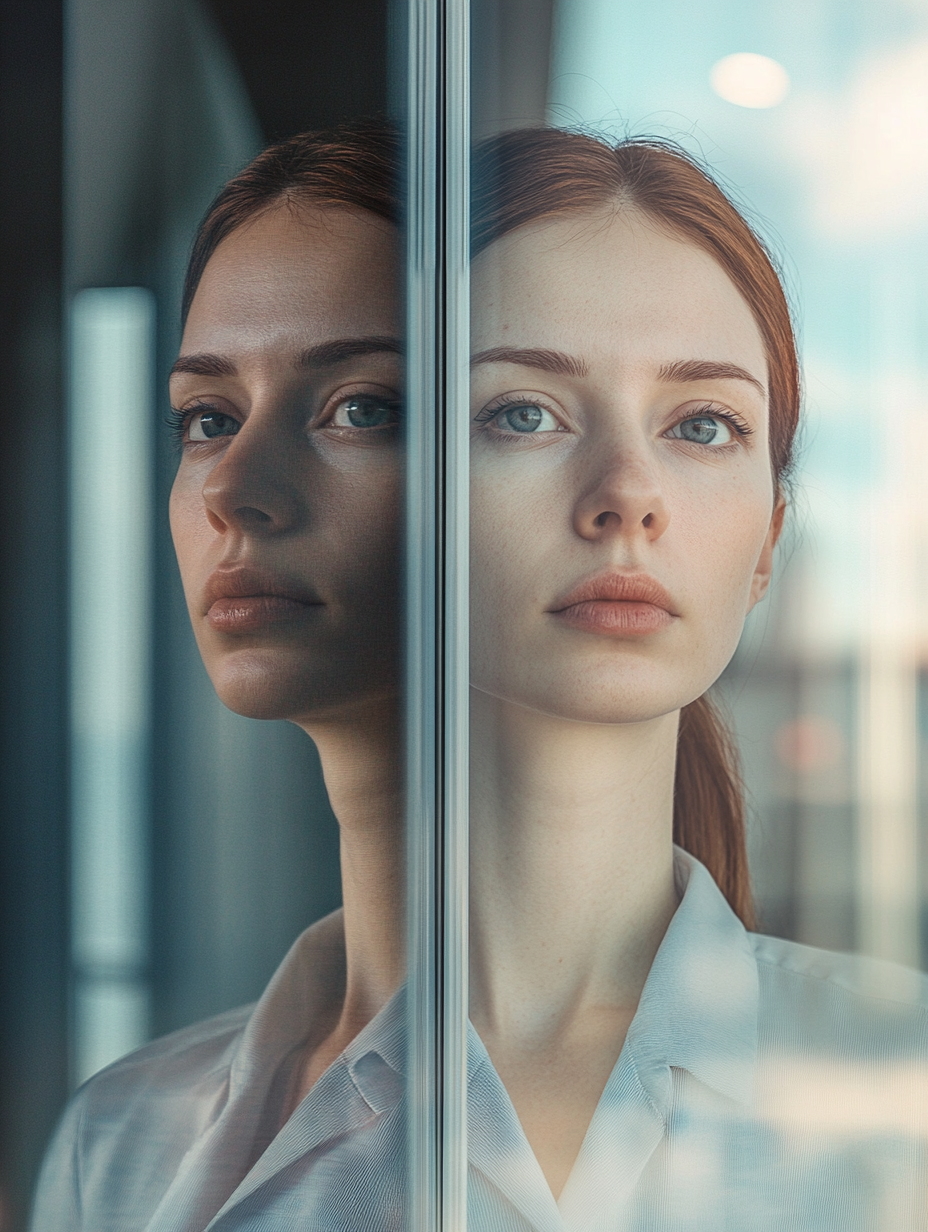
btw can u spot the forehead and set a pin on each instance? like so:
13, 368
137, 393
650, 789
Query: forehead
308, 271
611, 285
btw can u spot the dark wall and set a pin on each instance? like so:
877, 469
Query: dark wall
33, 747
308, 64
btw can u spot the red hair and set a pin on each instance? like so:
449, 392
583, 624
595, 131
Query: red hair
532, 174
529, 175
354, 166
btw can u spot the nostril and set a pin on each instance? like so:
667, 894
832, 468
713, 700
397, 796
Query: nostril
647, 521
257, 517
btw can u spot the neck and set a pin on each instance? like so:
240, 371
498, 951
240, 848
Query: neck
571, 864
362, 761
571, 861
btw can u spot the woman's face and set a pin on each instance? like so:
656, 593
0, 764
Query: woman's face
623, 507
285, 509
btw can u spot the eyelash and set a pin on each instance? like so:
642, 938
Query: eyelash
488, 414
712, 412
178, 421
177, 424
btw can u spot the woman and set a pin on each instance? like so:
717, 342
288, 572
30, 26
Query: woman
639, 1059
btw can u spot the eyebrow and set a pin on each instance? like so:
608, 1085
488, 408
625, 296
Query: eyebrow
708, 370
323, 355
555, 362
203, 365
569, 365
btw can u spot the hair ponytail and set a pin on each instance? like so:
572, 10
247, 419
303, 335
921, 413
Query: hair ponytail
708, 803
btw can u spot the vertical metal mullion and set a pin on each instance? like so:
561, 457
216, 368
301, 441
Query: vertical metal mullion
437, 596
457, 611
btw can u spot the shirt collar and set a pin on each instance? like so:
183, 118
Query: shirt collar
305, 984
363, 1083
310, 977
375, 1057
698, 1010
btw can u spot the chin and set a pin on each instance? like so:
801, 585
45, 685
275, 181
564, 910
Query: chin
600, 697
266, 684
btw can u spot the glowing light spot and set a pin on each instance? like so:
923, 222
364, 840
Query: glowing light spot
749, 80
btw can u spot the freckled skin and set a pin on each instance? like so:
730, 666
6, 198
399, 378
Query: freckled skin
611, 490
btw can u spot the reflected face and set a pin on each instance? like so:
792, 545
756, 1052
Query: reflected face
623, 506
285, 509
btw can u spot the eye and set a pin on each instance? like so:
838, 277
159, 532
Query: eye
207, 425
522, 417
366, 411
703, 430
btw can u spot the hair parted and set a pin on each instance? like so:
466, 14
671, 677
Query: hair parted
354, 166
526, 176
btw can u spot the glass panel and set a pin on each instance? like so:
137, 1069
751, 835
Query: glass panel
582, 866
232, 992
698, 727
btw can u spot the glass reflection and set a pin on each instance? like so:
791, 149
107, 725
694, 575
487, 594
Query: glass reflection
285, 515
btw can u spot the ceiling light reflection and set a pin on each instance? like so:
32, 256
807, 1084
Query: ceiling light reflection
749, 80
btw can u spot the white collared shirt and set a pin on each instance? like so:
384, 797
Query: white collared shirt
763, 1085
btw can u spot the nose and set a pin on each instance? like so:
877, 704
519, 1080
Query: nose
252, 490
623, 497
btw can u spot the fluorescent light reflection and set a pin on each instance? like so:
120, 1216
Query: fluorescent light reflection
112, 345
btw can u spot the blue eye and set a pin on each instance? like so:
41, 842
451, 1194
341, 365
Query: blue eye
207, 425
366, 411
702, 430
524, 418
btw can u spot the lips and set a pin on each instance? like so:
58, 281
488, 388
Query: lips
617, 605
245, 600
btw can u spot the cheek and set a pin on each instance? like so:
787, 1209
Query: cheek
187, 519
359, 520
721, 536
512, 536
196, 543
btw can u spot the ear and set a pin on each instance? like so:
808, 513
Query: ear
764, 566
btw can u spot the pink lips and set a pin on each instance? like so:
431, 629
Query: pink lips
244, 600
617, 605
